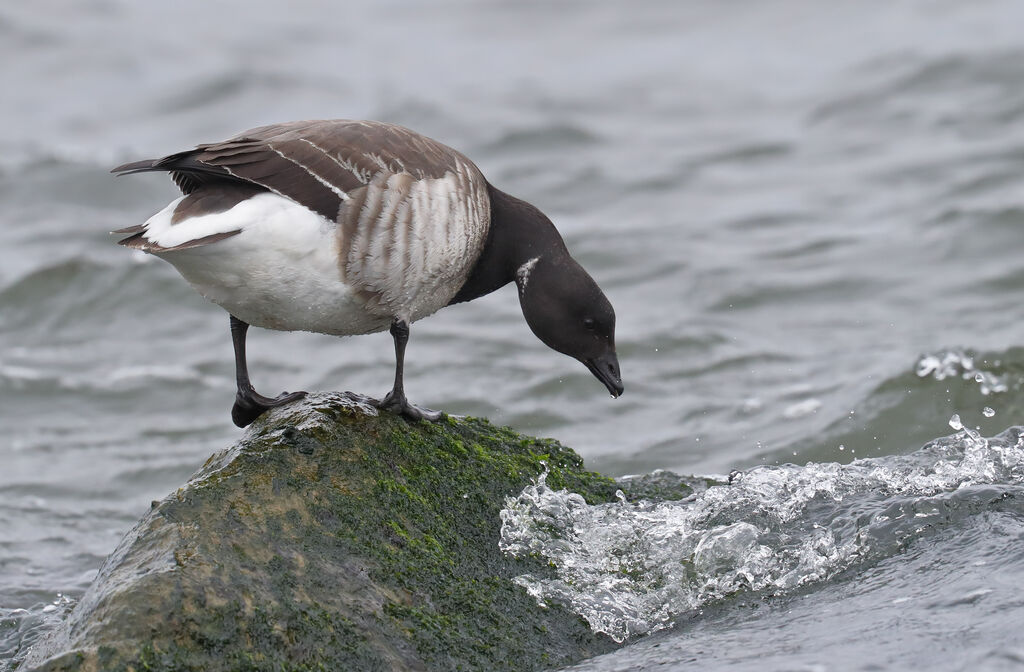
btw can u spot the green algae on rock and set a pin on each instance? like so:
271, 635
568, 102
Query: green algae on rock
331, 538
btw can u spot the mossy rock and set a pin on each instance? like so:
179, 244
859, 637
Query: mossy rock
331, 538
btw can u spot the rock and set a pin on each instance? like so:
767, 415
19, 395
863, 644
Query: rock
331, 538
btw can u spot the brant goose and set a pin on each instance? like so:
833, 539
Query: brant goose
352, 227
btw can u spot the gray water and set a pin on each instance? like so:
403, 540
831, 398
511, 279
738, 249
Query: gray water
807, 215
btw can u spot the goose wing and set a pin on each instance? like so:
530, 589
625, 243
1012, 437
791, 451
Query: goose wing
412, 214
318, 164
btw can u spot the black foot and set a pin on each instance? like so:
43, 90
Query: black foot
250, 406
401, 406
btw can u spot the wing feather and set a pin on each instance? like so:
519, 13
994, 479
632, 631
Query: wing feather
314, 163
412, 213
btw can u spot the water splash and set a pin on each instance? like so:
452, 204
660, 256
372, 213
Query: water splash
957, 363
20, 628
631, 568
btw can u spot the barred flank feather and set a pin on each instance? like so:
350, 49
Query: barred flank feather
408, 216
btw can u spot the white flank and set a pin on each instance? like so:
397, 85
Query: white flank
414, 244
161, 231
280, 272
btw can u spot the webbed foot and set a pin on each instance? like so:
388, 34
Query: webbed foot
249, 405
400, 405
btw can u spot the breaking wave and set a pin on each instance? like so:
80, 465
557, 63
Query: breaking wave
631, 568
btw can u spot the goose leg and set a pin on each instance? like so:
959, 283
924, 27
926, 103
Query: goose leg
395, 400
248, 404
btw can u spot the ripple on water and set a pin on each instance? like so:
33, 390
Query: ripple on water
544, 137
933, 90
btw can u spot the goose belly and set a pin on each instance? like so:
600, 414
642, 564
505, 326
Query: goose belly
281, 271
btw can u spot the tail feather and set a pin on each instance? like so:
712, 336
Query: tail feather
138, 241
138, 228
136, 167
186, 171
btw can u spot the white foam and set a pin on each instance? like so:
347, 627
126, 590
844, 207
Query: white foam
631, 568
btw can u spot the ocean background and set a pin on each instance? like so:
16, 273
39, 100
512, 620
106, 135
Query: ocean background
809, 217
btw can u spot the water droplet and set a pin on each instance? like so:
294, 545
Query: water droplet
988, 412
842, 447
955, 423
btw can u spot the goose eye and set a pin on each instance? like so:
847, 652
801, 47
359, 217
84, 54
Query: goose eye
588, 323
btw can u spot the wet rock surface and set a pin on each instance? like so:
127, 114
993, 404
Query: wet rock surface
331, 537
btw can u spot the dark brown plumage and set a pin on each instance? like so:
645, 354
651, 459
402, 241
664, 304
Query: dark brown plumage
346, 227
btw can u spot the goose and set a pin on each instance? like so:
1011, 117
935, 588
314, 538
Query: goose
352, 227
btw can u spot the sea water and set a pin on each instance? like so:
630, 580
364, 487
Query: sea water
808, 216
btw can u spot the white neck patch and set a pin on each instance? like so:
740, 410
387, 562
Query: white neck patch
523, 274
